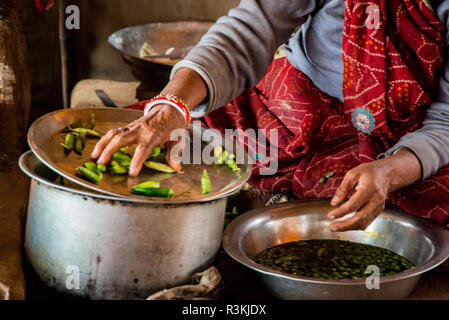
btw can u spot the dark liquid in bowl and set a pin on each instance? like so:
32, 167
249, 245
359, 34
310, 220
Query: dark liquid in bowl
331, 259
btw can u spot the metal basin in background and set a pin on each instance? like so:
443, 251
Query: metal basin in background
424, 242
162, 36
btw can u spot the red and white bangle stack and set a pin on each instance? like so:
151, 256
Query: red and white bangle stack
171, 100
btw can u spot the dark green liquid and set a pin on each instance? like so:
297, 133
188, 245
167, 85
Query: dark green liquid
331, 259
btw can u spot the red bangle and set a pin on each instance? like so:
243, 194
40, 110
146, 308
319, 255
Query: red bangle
174, 101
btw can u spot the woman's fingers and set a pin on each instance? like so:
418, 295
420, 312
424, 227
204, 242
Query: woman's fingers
140, 155
103, 142
361, 220
119, 140
174, 153
357, 200
346, 186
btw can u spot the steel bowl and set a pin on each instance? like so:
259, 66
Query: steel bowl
424, 242
161, 36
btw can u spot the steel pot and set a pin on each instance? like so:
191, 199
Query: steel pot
103, 247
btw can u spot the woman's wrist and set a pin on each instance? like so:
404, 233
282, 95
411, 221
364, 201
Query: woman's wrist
404, 167
188, 86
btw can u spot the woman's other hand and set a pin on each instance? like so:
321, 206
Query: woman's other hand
368, 186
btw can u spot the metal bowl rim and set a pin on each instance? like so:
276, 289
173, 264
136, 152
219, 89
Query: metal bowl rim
232, 248
234, 187
114, 34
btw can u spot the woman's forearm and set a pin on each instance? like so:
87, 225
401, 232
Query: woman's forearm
187, 85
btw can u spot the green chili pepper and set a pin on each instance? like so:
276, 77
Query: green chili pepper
206, 186
148, 184
101, 167
159, 167
91, 124
88, 132
79, 145
69, 142
218, 150
153, 192
122, 158
156, 151
324, 178
88, 174
123, 149
117, 169
224, 157
73, 125
91, 166
233, 165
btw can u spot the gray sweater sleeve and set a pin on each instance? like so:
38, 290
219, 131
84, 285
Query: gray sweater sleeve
430, 143
236, 52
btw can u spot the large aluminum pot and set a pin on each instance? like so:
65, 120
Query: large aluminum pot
116, 248
424, 242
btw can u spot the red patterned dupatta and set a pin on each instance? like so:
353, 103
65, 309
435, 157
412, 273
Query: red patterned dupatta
392, 54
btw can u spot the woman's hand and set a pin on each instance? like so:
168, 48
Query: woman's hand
155, 128
370, 183
148, 132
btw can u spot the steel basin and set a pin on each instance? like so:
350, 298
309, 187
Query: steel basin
117, 249
424, 242
162, 36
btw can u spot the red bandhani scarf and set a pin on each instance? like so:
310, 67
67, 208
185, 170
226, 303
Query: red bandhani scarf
392, 55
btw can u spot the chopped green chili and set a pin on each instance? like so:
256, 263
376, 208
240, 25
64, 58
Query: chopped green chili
79, 145
159, 167
148, 184
69, 142
331, 259
153, 192
122, 158
88, 174
206, 186
117, 169
87, 132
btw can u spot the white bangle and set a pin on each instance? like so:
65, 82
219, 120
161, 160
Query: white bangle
168, 100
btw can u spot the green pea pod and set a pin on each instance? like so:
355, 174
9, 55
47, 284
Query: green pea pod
117, 169
91, 124
79, 145
153, 192
148, 184
88, 132
88, 174
159, 167
206, 186
69, 142
101, 167
156, 151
